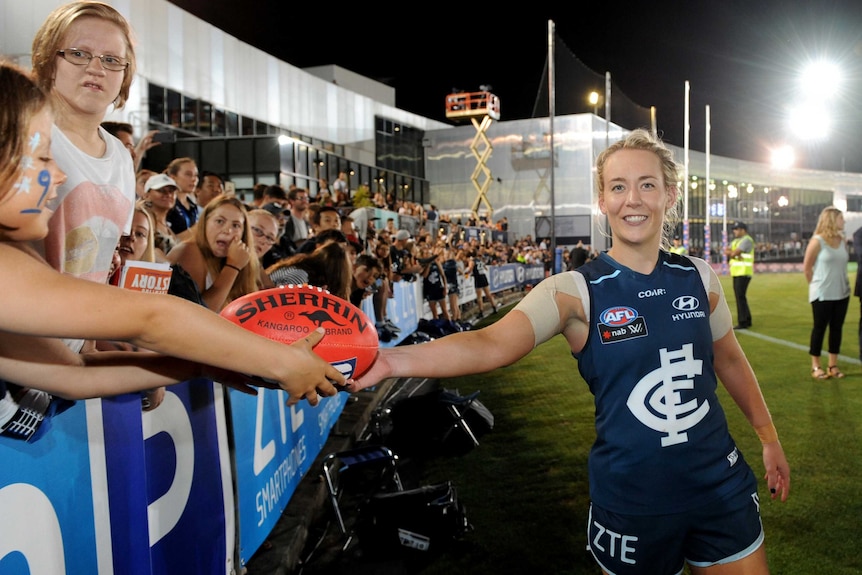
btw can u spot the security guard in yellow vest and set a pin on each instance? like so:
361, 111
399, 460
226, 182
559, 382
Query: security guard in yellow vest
677, 247
740, 255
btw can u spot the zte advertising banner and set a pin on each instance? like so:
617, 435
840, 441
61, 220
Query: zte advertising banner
274, 447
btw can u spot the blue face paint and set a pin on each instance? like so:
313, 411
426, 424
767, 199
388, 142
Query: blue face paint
44, 180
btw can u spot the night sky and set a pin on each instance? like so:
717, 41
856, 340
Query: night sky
742, 58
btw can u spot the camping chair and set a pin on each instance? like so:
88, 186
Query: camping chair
360, 472
457, 406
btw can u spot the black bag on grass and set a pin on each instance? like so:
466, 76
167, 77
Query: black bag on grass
424, 520
429, 424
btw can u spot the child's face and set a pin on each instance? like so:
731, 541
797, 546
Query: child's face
132, 247
28, 204
90, 89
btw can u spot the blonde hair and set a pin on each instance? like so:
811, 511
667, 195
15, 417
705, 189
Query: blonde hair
827, 223
645, 140
21, 100
150, 252
53, 31
247, 278
176, 164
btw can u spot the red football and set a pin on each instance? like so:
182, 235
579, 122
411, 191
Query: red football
291, 312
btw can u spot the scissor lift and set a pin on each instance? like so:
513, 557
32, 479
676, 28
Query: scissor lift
481, 108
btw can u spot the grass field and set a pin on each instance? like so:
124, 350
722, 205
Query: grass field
526, 488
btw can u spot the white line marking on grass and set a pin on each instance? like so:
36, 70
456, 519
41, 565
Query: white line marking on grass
786, 343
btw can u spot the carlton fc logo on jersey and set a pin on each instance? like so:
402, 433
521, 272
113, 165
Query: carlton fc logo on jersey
620, 323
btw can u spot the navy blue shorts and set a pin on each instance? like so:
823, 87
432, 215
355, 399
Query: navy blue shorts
720, 532
435, 293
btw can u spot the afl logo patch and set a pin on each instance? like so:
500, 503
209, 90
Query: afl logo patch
618, 316
620, 323
686, 303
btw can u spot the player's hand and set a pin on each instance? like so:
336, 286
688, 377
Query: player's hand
777, 470
379, 370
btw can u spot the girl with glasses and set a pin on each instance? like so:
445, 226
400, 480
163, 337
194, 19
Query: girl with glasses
84, 58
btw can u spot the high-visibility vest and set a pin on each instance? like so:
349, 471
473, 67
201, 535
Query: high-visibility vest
743, 265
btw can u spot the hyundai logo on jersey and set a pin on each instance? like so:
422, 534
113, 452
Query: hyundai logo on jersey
686, 303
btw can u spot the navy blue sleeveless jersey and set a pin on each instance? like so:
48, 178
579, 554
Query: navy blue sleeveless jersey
662, 443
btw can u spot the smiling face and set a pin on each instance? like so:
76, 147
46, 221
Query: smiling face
224, 226
133, 247
162, 199
634, 197
25, 209
90, 89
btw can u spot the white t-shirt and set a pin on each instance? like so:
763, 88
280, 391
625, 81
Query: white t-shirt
97, 202
96, 205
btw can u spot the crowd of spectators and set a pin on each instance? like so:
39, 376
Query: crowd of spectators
421, 243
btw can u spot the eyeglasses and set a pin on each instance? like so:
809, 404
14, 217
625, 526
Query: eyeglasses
83, 58
261, 235
165, 190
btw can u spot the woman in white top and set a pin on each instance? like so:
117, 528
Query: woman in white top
825, 267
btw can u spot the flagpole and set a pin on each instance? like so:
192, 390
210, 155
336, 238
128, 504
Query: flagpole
685, 232
551, 111
707, 231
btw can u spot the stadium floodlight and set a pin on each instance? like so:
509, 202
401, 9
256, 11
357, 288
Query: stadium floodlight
783, 157
820, 80
810, 119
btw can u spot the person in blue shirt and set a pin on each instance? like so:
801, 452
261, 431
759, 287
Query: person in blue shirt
652, 334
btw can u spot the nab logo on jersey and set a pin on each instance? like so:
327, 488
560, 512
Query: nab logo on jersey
618, 316
620, 323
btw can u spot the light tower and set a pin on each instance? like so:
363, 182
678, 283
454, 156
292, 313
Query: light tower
461, 106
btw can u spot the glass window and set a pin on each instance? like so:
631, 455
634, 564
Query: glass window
302, 160
156, 97
190, 114
267, 155
174, 108
232, 124
205, 121
268, 179
240, 156
213, 156
218, 122
246, 126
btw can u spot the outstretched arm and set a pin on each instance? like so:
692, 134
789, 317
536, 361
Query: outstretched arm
108, 373
552, 307
475, 351
40, 301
